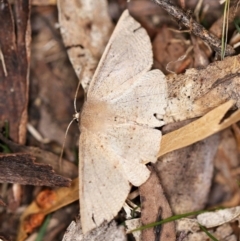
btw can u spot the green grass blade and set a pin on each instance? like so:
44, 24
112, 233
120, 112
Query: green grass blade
43, 229
207, 233
170, 219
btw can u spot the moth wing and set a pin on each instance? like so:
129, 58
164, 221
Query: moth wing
127, 54
135, 146
103, 187
143, 101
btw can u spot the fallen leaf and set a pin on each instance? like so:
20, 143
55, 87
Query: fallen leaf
219, 217
189, 230
84, 34
14, 71
20, 168
199, 129
225, 188
133, 224
104, 232
155, 207
44, 157
59, 198
186, 174
196, 92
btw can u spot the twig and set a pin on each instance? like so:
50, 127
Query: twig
197, 29
3, 63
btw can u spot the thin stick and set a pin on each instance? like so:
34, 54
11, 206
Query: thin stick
197, 29
3, 63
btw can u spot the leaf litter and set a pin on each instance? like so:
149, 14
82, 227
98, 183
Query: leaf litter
204, 93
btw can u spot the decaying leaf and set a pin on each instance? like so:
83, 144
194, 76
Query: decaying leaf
62, 197
219, 217
43, 157
186, 174
196, 92
104, 232
199, 129
21, 168
14, 67
85, 28
155, 207
133, 224
225, 188
117, 123
189, 230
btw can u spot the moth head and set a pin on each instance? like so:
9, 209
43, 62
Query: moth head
76, 116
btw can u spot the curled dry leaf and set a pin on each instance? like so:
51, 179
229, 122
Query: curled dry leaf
219, 217
85, 28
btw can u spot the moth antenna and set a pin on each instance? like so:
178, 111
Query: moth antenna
64, 141
75, 97
75, 117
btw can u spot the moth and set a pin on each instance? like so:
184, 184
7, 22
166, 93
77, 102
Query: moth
125, 103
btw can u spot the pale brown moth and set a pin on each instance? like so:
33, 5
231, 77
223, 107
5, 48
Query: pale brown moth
117, 123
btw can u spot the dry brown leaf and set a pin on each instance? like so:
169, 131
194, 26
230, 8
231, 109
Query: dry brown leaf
199, 129
85, 28
225, 189
63, 197
21, 168
155, 207
44, 157
186, 174
15, 39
